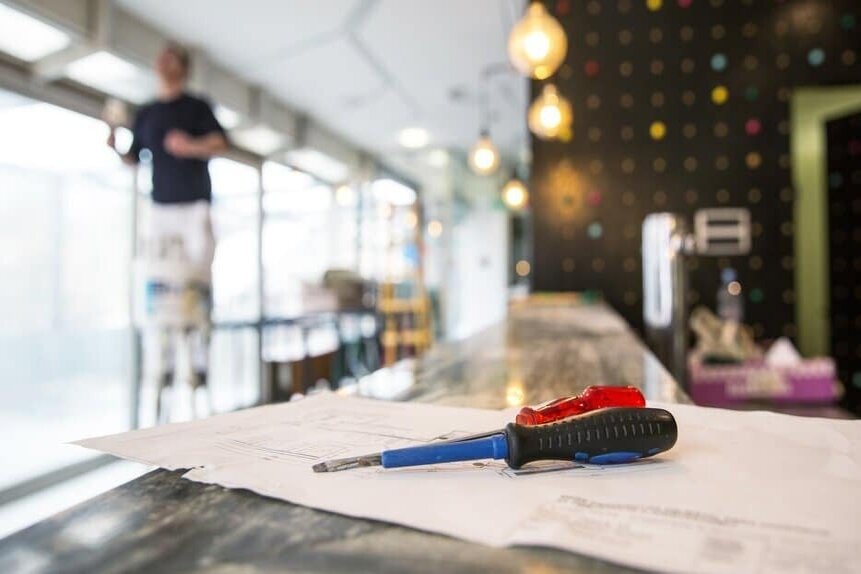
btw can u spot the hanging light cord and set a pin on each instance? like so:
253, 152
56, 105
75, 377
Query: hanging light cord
488, 72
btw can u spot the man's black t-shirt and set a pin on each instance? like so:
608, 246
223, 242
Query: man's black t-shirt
175, 179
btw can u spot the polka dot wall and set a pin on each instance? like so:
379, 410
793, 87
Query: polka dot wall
680, 105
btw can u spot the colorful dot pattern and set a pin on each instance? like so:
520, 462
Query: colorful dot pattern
680, 105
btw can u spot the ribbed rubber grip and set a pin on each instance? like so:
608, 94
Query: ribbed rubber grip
605, 436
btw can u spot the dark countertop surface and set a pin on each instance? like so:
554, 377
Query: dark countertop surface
548, 347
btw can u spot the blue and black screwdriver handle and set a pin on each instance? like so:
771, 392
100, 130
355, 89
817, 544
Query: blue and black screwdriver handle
605, 436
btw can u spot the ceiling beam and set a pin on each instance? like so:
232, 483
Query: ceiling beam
71, 16
53, 66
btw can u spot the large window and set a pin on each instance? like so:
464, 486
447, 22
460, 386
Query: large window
65, 257
388, 234
309, 228
235, 207
235, 354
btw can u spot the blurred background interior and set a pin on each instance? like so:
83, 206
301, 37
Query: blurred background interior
399, 172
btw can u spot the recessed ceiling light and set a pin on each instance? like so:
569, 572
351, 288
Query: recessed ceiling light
414, 138
28, 38
319, 164
260, 139
113, 75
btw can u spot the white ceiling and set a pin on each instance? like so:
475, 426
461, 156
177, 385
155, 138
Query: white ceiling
365, 68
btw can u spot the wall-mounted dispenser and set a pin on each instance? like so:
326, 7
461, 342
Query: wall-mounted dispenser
667, 244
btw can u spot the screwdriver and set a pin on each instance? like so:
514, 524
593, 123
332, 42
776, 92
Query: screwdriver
592, 398
605, 436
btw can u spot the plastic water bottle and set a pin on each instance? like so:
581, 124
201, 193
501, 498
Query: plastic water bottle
730, 303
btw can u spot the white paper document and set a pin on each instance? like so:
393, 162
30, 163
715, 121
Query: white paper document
740, 492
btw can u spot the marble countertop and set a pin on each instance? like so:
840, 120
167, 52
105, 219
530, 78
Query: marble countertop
548, 346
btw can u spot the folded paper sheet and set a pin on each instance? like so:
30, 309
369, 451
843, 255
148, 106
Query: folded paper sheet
740, 492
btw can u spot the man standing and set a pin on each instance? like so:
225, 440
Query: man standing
182, 134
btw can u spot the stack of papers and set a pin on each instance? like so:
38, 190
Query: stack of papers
740, 491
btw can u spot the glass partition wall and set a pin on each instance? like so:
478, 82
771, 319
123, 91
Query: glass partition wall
70, 229
309, 228
235, 348
66, 349
388, 238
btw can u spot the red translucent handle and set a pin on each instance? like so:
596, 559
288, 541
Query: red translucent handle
591, 399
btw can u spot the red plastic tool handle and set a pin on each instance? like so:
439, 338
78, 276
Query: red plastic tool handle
591, 399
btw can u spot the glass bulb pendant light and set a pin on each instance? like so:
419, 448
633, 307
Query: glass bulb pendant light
483, 156
537, 43
550, 115
515, 195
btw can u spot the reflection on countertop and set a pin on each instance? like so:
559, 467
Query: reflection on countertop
550, 346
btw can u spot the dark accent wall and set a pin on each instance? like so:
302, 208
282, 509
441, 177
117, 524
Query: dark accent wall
844, 245
679, 105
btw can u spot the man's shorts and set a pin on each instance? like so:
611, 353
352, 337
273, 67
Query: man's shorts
175, 266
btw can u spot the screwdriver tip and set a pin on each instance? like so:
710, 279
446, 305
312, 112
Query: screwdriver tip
348, 463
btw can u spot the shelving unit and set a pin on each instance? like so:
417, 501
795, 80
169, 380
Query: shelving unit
406, 314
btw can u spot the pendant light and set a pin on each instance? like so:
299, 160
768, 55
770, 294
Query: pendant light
537, 44
550, 115
515, 195
483, 156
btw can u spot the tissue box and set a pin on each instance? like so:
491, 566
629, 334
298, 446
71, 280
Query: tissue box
810, 381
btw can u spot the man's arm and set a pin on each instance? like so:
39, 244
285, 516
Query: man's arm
132, 155
213, 142
180, 144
